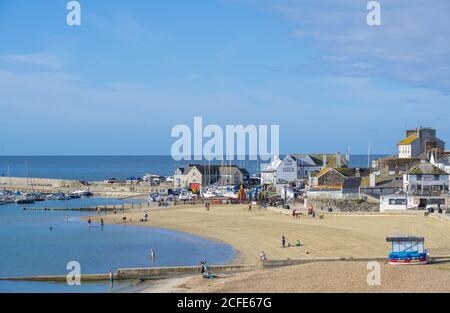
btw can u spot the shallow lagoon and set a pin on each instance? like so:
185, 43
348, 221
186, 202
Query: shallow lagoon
29, 247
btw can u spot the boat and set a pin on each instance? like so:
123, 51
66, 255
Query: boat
62, 196
210, 193
81, 193
9, 199
407, 250
230, 194
58, 196
74, 195
51, 197
408, 258
24, 200
38, 197
186, 196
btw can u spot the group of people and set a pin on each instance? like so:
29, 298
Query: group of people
286, 244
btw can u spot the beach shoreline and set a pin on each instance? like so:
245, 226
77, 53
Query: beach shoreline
249, 233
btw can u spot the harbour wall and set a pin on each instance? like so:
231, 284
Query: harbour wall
179, 271
169, 272
49, 186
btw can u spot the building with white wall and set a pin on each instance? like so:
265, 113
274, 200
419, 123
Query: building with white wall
394, 202
426, 184
419, 141
443, 163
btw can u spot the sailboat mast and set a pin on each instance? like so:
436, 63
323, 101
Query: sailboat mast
26, 172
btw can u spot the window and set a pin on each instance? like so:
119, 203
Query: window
397, 201
436, 177
419, 177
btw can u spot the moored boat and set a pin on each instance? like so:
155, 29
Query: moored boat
25, 200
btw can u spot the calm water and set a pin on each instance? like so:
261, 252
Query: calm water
29, 247
91, 168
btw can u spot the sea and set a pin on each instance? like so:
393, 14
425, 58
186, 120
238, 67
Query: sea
35, 243
94, 168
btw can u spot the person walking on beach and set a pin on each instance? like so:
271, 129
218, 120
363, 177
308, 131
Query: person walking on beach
250, 207
262, 256
153, 256
283, 241
102, 223
111, 279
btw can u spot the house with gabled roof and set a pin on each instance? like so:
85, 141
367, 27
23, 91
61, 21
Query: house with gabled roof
443, 163
309, 163
206, 175
337, 183
297, 167
426, 184
330, 177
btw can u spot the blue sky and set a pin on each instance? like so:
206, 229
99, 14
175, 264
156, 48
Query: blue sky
134, 69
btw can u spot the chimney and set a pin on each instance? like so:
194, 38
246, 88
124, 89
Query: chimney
338, 160
358, 172
373, 179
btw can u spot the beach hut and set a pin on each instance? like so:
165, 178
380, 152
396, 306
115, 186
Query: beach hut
407, 250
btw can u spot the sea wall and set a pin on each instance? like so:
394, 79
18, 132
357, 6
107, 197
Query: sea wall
39, 184
48, 186
167, 272
342, 205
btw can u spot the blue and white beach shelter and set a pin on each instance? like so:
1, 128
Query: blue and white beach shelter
407, 250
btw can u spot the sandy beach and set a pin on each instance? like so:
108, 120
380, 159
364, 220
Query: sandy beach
335, 236
261, 230
325, 278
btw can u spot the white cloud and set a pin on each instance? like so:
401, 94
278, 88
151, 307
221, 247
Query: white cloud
412, 45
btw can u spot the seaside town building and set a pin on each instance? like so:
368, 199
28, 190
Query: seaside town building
443, 163
297, 167
338, 183
426, 184
206, 175
419, 145
419, 142
394, 202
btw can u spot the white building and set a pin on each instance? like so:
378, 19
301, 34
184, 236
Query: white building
394, 202
443, 163
426, 184
419, 141
296, 167
278, 171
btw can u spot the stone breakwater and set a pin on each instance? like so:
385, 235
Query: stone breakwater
49, 186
